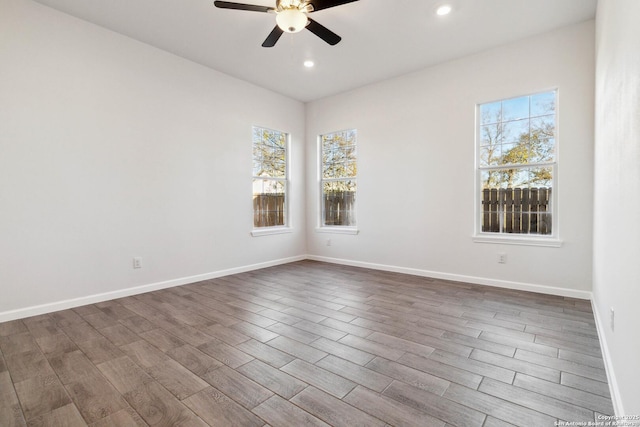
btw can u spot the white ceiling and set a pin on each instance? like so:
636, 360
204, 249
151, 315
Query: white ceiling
380, 39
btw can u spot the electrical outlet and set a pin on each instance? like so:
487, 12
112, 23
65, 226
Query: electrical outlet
137, 262
502, 258
328, 242
612, 321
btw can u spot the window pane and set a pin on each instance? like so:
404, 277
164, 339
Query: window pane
544, 151
338, 140
491, 134
341, 169
489, 179
491, 113
350, 153
540, 177
543, 103
273, 162
516, 130
339, 186
544, 125
269, 161
518, 154
351, 169
543, 138
339, 165
275, 165
503, 178
269, 138
333, 169
517, 200
268, 203
490, 155
515, 109
338, 202
268, 186
269, 157
512, 153
339, 155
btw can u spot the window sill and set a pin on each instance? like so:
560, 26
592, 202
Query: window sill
267, 231
337, 230
550, 242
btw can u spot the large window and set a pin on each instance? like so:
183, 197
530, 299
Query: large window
338, 177
517, 165
270, 178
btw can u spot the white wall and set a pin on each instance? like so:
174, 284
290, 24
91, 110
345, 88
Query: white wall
616, 272
111, 149
416, 166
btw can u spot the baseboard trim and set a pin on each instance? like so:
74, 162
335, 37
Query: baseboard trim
530, 287
92, 299
606, 356
550, 290
106, 296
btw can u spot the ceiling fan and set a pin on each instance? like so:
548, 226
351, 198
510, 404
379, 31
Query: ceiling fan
291, 17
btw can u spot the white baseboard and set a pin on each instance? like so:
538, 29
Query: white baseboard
92, 299
542, 289
606, 357
106, 296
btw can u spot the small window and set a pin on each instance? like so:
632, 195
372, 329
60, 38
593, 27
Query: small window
338, 177
517, 165
270, 178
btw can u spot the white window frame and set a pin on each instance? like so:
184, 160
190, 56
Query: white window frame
550, 240
336, 229
286, 227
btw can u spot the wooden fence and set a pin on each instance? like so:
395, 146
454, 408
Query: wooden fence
510, 210
516, 210
339, 208
268, 209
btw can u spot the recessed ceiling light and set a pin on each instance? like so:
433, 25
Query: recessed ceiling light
443, 10
308, 63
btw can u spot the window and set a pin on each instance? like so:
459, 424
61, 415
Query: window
338, 179
270, 178
516, 164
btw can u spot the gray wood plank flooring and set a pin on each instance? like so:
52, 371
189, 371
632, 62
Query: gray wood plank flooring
308, 343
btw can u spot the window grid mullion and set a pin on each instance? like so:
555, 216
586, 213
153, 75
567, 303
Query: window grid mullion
270, 198
517, 166
520, 190
338, 157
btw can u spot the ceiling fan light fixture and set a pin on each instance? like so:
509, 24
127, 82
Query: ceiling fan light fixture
291, 20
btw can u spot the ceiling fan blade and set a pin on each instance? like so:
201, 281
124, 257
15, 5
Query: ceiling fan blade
326, 4
273, 37
323, 32
242, 6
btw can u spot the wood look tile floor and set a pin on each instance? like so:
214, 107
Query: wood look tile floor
308, 343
